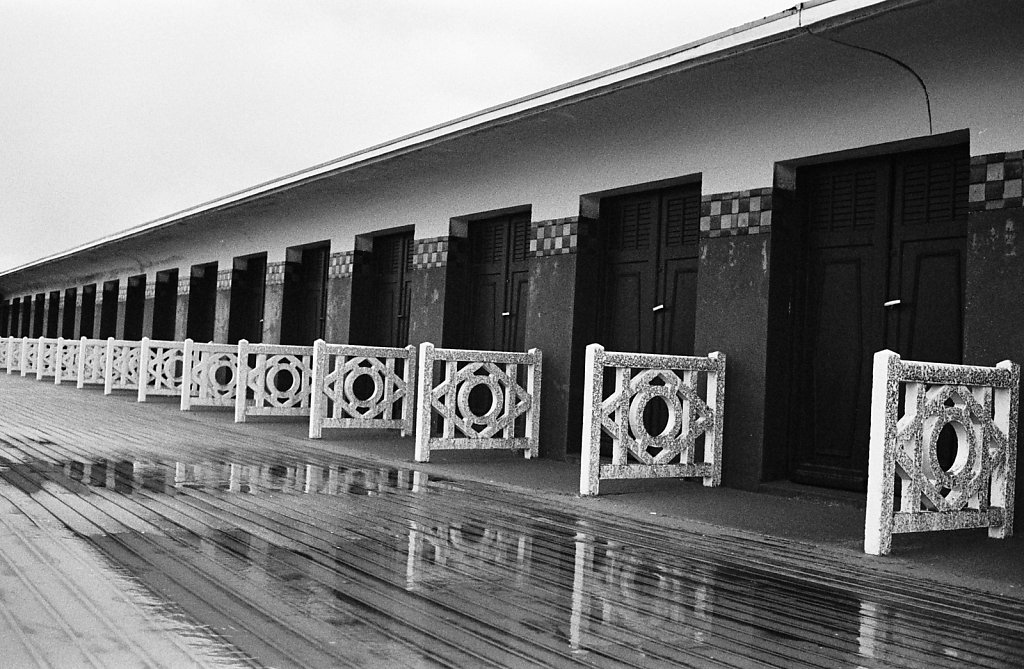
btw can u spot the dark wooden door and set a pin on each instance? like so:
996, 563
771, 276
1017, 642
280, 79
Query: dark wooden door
304, 312
392, 288
248, 285
499, 283
885, 249
650, 284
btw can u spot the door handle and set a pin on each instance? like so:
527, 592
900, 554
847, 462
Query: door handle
893, 303
658, 308
506, 313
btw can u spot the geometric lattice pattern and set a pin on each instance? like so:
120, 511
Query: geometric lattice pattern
208, 375
362, 387
67, 360
5, 350
160, 368
488, 420
46, 358
122, 371
953, 451
92, 362
671, 382
273, 380
29, 349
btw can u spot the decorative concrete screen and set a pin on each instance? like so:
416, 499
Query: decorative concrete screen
29, 351
92, 362
6, 350
66, 368
122, 372
208, 376
974, 406
273, 380
639, 379
47, 359
362, 386
160, 368
461, 427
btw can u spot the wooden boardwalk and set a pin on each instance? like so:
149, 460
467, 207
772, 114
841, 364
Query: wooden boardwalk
135, 535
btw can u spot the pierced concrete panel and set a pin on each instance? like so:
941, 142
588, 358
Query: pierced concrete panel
5, 351
92, 362
160, 368
29, 349
383, 399
640, 379
460, 426
273, 380
979, 406
208, 375
46, 358
122, 369
66, 368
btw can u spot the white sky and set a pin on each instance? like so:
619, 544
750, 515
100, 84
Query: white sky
114, 113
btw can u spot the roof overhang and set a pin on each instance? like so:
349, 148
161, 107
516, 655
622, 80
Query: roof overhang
822, 14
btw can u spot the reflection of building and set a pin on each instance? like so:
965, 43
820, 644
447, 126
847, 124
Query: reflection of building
798, 193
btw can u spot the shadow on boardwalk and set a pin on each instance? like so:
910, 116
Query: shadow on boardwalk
135, 535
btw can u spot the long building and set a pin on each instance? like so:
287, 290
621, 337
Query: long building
798, 192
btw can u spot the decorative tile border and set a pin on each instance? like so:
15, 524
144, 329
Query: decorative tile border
997, 180
555, 237
150, 290
341, 264
745, 212
122, 292
184, 285
275, 273
431, 253
224, 279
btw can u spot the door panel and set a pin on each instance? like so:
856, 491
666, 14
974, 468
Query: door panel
878, 231
392, 262
500, 280
678, 319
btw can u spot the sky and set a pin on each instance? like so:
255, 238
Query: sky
114, 113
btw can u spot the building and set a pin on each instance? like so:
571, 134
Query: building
798, 192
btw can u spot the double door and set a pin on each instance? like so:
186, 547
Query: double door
499, 283
885, 245
650, 263
392, 287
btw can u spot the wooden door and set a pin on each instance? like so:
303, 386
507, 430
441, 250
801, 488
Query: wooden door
885, 248
392, 262
499, 283
650, 283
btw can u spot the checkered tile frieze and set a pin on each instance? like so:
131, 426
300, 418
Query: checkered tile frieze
150, 290
275, 273
341, 264
996, 181
745, 212
551, 238
430, 253
224, 279
122, 292
184, 285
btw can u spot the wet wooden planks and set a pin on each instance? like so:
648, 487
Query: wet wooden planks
287, 554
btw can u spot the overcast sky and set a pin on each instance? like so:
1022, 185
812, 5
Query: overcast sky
114, 113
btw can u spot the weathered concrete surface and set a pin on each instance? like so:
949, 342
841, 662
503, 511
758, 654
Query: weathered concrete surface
138, 535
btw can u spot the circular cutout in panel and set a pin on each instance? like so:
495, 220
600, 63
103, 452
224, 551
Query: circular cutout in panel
364, 387
466, 408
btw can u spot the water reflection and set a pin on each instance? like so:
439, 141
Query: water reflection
370, 553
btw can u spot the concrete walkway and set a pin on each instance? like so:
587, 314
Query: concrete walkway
136, 535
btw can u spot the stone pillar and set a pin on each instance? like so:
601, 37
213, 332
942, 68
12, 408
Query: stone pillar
551, 327
149, 305
339, 297
993, 308
436, 311
75, 311
223, 309
273, 301
122, 300
732, 316
97, 313
181, 305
